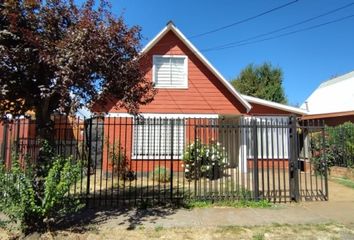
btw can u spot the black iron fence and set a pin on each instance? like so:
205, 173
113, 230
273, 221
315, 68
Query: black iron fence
129, 160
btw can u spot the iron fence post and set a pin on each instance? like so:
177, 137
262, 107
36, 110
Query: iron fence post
17, 141
196, 164
293, 168
4, 143
171, 164
324, 158
88, 144
255, 161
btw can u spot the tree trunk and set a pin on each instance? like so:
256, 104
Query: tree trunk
45, 143
44, 125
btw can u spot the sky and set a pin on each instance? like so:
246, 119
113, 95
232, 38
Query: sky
307, 58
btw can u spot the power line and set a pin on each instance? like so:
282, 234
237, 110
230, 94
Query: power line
285, 34
244, 20
283, 28
274, 37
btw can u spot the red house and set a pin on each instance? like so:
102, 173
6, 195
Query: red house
191, 93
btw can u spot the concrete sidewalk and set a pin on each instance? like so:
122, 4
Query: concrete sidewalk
339, 209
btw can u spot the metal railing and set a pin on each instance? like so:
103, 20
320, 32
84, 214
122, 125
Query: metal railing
128, 160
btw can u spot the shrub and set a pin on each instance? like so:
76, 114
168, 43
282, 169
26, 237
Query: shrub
61, 176
34, 202
161, 174
18, 198
339, 147
204, 160
318, 160
119, 162
341, 142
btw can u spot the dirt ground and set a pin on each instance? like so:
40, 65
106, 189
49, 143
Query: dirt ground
318, 231
307, 220
273, 184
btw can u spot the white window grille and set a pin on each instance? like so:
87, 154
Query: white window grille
170, 71
158, 138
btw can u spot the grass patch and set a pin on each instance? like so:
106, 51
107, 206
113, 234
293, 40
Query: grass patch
158, 228
225, 203
344, 181
258, 236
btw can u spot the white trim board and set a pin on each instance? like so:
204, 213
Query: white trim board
164, 115
171, 27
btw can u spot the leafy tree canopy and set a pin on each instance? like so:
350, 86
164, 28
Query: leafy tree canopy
56, 56
263, 81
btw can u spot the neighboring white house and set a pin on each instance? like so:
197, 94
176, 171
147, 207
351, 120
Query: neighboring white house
332, 96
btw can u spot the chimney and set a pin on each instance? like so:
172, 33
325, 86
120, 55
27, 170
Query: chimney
307, 106
170, 23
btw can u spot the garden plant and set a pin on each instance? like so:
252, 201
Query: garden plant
204, 160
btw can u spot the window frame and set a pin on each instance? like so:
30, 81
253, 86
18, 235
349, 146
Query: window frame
154, 77
151, 156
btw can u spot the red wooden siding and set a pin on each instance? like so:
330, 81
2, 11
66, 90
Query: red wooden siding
118, 132
258, 109
67, 131
330, 120
269, 163
205, 93
335, 121
24, 131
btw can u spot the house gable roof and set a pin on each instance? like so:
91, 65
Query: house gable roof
275, 105
171, 27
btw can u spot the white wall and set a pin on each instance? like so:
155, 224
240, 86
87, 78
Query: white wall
336, 95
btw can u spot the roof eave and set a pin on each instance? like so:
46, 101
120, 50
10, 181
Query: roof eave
279, 106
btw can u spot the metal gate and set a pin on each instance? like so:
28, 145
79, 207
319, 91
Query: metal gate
275, 158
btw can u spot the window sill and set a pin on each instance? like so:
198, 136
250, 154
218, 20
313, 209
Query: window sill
156, 158
177, 88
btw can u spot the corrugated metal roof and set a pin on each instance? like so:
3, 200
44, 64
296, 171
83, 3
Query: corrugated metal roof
334, 95
335, 80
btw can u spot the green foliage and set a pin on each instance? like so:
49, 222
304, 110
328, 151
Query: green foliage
161, 174
61, 176
262, 81
339, 148
204, 160
258, 236
341, 142
18, 198
321, 159
34, 202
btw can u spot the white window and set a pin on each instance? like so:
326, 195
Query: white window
153, 138
170, 71
272, 137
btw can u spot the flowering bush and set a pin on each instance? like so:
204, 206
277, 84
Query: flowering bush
204, 160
